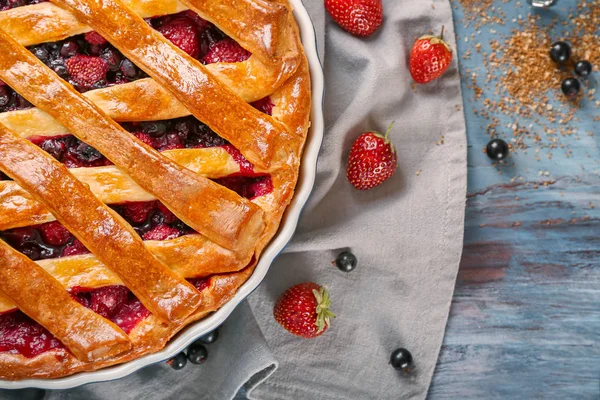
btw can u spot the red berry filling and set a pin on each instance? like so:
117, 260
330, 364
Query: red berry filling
115, 303
71, 151
200, 283
178, 133
226, 51
86, 71
19, 334
183, 33
248, 187
10, 4
264, 105
151, 220
40, 242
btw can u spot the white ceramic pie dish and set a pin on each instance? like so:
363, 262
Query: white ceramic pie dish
286, 230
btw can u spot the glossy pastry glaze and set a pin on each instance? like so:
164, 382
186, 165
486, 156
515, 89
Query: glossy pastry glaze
278, 70
107, 235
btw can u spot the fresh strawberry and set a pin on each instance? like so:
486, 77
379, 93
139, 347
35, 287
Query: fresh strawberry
303, 310
94, 37
85, 71
227, 51
359, 17
183, 33
372, 160
429, 58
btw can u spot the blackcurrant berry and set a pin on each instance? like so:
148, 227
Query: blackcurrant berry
497, 149
197, 353
346, 261
570, 87
401, 359
210, 338
560, 52
583, 68
178, 362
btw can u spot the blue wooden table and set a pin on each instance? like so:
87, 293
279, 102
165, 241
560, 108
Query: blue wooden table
525, 320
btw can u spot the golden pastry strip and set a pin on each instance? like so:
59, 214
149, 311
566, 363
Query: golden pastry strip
249, 130
89, 336
216, 212
99, 228
190, 256
109, 184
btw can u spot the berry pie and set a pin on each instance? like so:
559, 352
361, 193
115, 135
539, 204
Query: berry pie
148, 150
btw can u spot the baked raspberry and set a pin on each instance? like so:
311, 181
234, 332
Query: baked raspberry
108, 300
54, 234
74, 249
94, 37
114, 302
264, 105
162, 232
131, 314
86, 71
200, 283
145, 138
227, 51
183, 33
138, 212
248, 187
261, 186
21, 334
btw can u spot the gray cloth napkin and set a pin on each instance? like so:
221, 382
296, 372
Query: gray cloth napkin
406, 233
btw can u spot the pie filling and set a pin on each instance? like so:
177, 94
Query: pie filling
10, 4
151, 220
20, 334
90, 62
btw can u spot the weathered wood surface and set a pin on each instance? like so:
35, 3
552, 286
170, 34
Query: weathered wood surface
525, 321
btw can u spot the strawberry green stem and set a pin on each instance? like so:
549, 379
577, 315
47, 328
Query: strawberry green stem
323, 314
442, 34
389, 129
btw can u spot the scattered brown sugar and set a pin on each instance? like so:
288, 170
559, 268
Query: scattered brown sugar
481, 12
519, 79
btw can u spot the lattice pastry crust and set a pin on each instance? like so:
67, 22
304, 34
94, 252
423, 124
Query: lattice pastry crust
231, 230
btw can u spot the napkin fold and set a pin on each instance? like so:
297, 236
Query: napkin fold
407, 235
